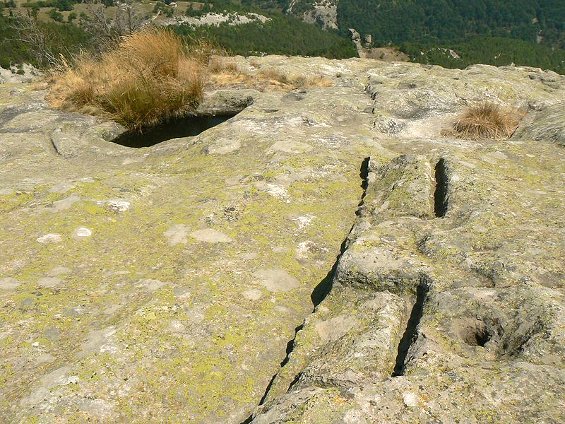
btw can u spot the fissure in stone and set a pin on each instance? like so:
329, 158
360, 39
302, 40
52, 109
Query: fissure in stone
318, 294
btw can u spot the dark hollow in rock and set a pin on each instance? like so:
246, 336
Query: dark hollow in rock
441, 190
411, 333
174, 128
476, 335
479, 337
364, 175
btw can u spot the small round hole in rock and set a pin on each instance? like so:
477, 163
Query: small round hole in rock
481, 337
477, 335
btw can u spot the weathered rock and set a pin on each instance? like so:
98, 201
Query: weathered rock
546, 125
226, 102
165, 283
23, 73
321, 12
467, 241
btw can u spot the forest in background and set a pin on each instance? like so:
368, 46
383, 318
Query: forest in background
55, 38
497, 32
66, 35
523, 32
498, 51
440, 21
283, 34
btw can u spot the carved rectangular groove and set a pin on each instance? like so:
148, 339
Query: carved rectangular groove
411, 333
441, 201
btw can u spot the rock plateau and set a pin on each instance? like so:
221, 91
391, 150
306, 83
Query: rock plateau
325, 256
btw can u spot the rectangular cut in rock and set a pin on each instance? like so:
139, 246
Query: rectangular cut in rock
338, 344
402, 187
361, 354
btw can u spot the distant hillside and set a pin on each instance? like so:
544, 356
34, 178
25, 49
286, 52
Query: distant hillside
497, 51
536, 21
282, 34
453, 33
62, 27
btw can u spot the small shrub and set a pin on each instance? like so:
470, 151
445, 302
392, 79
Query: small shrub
146, 79
485, 121
55, 15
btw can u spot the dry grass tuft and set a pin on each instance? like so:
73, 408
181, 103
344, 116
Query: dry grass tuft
276, 77
318, 81
148, 78
225, 72
151, 76
222, 64
486, 121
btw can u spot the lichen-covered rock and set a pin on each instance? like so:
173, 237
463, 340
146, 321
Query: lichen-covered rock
545, 125
459, 246
21, 73
165, 283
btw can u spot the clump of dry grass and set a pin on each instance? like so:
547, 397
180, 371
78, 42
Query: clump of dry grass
150, 76
486, 121
225, 72
276, 77
222, 64
147, 78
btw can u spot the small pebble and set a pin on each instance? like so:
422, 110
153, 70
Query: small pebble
410, 399
50, 238
83, 232
118, 205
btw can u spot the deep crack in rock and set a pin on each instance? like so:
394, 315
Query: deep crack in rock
318, 294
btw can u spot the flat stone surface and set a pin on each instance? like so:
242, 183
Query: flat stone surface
209, 235
276, 280
8, 283
175, 276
